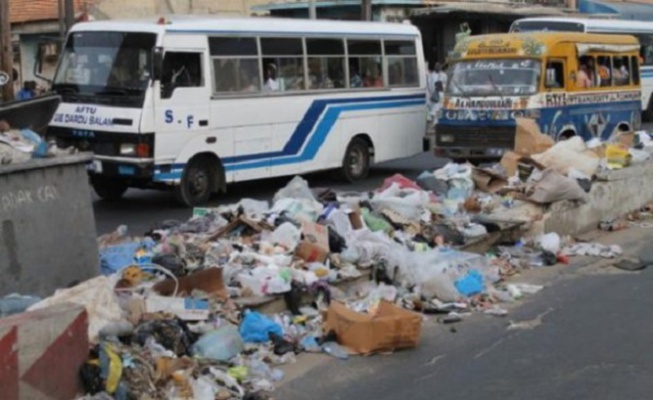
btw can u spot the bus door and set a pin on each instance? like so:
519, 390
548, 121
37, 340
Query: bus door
182, 106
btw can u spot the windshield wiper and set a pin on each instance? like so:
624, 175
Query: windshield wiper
495, 86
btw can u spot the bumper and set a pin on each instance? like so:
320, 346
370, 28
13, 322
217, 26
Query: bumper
138, 169
474, 142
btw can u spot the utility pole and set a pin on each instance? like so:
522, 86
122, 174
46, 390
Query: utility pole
62, 20
6, 56
366, 10
70, 14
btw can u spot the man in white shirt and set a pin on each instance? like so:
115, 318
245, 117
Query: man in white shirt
436, 82
271, 84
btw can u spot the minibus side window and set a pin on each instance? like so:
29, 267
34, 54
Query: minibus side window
604, 71
181, 70
555, 75
622, 70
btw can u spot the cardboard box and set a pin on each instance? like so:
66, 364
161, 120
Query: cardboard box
390, 328
310, 252
188, 309
316, 234
529, 139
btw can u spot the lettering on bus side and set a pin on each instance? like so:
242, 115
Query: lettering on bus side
83, 115
169, 118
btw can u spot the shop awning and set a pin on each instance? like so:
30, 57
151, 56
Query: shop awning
487, 8
625, 10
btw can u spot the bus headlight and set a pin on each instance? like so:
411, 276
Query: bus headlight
446, 138
128, 149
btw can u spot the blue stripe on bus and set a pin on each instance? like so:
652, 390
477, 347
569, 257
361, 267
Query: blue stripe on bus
290, 153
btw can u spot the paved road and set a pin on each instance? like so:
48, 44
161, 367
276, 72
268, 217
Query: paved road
589, 338
142, 208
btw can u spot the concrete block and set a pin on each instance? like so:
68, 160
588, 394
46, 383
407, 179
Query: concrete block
47, 227
619, 193
41, 353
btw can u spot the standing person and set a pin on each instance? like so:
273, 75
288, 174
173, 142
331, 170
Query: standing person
435, 83
271, 83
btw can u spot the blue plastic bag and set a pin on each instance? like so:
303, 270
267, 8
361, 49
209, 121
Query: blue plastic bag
223, 344
40, 147
256, 328
471, 284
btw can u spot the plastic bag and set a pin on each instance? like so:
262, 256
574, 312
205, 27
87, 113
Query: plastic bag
256, 328
401, 181
550, 242
555, 187
408, 203
96, 295
471, 284
298, 209
375, 223
569, 154
222, 344
297, 188
204, 388
286, 235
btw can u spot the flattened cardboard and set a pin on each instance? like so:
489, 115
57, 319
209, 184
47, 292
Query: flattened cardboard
529, 139
316, 234
509, 162
391, 328
487, 181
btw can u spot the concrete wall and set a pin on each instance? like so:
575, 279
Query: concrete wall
620, 193
121, 9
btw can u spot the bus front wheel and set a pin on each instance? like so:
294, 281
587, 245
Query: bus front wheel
195, 187
356, 163
108, 189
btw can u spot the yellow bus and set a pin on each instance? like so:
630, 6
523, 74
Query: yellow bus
570, 83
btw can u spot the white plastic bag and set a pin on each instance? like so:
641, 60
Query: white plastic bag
297, 188
550, 242
286, 235
96, 295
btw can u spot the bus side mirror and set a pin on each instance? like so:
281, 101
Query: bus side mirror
157, 63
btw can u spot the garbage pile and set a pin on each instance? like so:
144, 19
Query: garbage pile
544, 172
21, 145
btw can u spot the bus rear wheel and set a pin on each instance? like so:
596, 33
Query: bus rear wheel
108, 189
195, 188
356, 162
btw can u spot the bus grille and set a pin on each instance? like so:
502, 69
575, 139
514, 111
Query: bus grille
485, 136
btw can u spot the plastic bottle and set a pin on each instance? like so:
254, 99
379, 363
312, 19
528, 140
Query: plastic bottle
335, 350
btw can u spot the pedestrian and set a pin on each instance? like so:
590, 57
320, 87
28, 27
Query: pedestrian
436, 82
27, 92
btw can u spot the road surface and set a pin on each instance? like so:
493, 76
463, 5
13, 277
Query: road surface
586, 336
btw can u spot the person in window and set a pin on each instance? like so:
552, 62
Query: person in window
271, 83
583, 77
355, 80
604, 74
591, 72
27, 92
374, 79
620, 72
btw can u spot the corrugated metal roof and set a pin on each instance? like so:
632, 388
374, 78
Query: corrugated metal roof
508, 8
